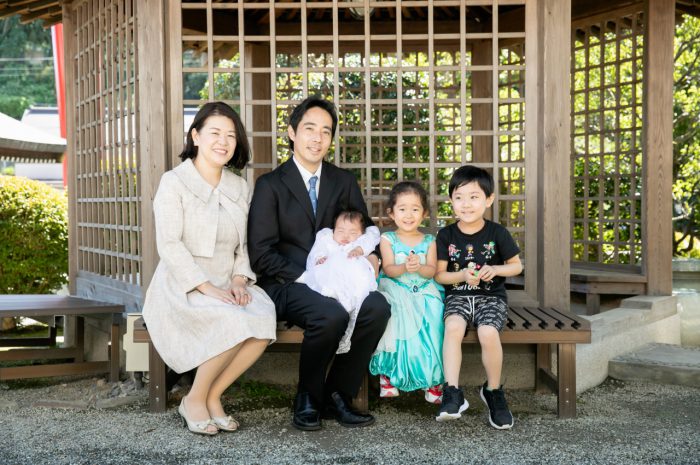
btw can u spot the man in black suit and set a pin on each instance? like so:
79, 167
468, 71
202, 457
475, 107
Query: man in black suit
290, 205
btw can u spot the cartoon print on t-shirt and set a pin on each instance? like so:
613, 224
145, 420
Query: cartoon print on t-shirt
470, 252
453, 251
489, 250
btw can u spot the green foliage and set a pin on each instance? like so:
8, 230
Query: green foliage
13, 105
26, 69
34, 231
686, 139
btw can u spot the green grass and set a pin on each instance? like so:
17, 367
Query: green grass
252, 395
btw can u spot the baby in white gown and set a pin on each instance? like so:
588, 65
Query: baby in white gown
336, 266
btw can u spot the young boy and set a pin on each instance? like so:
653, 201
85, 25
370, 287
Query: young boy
475, 256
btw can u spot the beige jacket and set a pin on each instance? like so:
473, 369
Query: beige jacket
186, 211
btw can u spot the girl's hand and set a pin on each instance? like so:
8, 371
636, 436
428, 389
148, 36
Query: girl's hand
210, 290
487, 273
321, 261
356, 252
241, 295
471, 277
412, 263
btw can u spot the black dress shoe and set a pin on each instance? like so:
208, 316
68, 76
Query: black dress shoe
337, 408
306, 416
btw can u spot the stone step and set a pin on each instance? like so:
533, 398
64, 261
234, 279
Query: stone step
660, 363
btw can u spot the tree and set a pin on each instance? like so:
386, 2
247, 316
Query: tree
26, 66
686, 139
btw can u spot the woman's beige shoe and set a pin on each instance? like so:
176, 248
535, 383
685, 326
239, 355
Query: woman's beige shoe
227, 423
197, 427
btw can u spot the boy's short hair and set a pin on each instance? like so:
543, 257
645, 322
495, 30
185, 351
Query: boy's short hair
352, 215
468, 174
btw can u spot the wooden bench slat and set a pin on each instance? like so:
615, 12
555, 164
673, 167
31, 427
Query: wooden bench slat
518, 323
549, 322
569, 319
534, 323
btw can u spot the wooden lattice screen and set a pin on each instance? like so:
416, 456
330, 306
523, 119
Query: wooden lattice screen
413, 81
606, 164
106, 156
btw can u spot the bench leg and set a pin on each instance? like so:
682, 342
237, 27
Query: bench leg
360, 402
543, 368
157, 394
79, 338
566, 364
115, 351
592, 304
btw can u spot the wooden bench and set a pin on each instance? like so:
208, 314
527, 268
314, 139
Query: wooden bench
543, 327
594, 282
51, 306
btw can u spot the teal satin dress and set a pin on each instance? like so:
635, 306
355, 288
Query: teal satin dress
410, 351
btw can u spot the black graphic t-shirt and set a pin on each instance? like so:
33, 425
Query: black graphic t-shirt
492, 245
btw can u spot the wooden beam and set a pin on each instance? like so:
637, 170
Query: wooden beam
173, 13
35, 14
69, 54
27, 7
657, 232
259, 118
152, 122
548, 151
482, 87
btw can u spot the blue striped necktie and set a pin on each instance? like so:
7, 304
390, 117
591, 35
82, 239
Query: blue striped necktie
312, 192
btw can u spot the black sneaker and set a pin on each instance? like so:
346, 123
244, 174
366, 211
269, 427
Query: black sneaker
499, 415
453, 403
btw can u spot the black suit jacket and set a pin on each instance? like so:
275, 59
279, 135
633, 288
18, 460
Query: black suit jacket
281, 224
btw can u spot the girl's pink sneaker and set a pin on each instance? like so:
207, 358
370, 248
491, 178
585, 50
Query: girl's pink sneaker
434, 394
386, 389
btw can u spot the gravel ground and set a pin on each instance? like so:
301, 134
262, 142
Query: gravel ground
618, 423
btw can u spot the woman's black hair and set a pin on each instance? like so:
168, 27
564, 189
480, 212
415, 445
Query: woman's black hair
301, 109
468, 174
408, 187
241, 154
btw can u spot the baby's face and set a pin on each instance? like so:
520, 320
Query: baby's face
346, 231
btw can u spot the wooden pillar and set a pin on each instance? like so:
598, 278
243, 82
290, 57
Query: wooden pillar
69, 51
260, 117
657, 232
482, 87
70, 48
152, 122
547, 159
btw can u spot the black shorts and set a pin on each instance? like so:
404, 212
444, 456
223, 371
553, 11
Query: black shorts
479, 310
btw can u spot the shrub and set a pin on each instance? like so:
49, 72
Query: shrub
34, 232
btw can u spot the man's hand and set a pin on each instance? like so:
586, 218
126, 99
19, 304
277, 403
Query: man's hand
356, 252
321, 260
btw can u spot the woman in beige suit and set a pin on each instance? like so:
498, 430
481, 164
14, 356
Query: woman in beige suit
202, 309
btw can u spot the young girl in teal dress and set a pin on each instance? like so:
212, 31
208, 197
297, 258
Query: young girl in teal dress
409, 355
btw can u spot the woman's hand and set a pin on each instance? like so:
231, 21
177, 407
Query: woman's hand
241, 295
210, 290
239, 290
